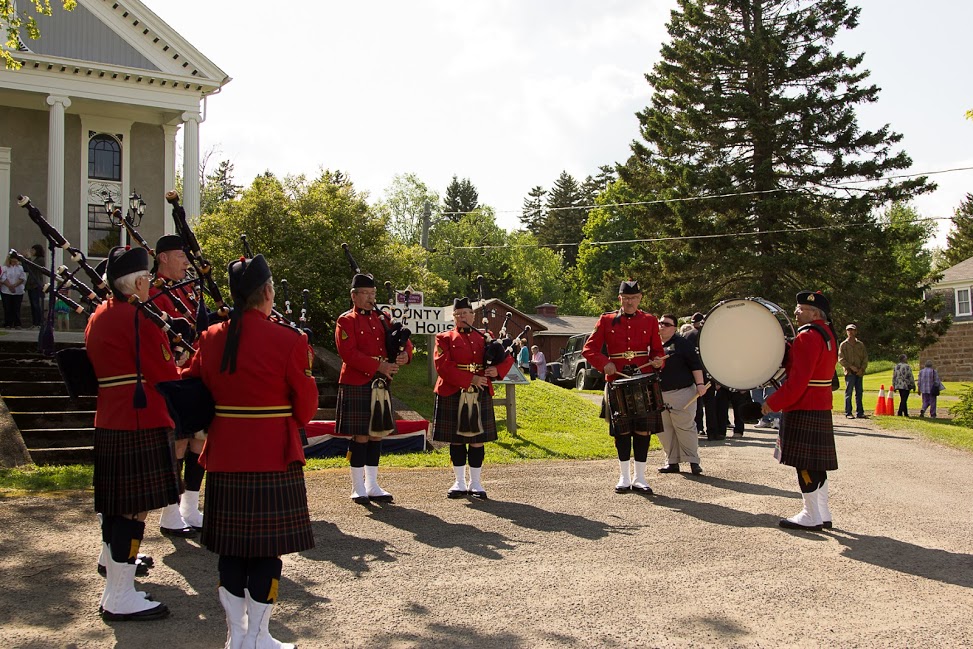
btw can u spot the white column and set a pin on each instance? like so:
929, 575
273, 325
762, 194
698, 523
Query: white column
54, 209
5, 161
190, 163
169, 171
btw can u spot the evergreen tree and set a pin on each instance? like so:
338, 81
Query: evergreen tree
594, 186
532, 215
461, 198
218, 188
753, 108
959, 241
565, 217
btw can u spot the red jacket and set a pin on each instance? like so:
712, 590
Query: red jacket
462, 347
110, 341
638, 334
810, 366
273, 372
360, 339
165, 303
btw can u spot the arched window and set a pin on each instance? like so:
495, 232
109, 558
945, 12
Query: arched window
104, 158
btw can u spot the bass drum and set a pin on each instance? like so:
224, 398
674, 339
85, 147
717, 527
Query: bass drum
743, 342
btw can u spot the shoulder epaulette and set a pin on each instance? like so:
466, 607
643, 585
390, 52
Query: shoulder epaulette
818, 328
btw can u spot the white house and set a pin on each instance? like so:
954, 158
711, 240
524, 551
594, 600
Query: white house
952, 354
96, 108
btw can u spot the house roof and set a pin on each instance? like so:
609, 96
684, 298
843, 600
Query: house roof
121, 42
567, 325
961, 272
536, 322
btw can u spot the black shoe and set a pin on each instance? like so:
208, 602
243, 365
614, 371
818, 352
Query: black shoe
716, 438
788, 525
183, 533
361, 500
157, 613
862, 416
647, 490
669, 468
479, 495
848, 415
697, 470
381, 499
827, 525
623, 490
456, 493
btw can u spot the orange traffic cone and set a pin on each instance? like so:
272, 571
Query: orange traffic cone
890, 402
880, 407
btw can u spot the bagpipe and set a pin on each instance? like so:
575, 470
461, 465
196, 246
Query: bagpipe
496, 347
202, 267
397, 335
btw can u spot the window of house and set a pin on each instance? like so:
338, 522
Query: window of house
963, 302
104, 158
102, 235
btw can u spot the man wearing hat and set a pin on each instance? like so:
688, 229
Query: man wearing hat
464, 416
259, 373
631, 337
360, 339
806, 438
134, 468
854, 358
171, 263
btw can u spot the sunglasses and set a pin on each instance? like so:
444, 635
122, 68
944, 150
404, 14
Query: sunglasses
667, 324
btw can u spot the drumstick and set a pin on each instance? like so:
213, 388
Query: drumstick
641, 367
693, 400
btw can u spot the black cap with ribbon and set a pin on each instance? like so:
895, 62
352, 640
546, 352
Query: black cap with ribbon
246, 276
362, 280
816, 299
461, 303
629, 287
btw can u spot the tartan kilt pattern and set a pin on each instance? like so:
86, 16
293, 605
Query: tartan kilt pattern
807, 440
651, 423
446, 420
252, 514
353, 414
135, 470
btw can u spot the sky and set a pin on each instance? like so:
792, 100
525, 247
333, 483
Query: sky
509, 93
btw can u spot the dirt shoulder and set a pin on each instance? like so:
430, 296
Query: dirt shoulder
557, 559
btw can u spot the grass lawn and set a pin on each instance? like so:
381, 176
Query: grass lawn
880, 374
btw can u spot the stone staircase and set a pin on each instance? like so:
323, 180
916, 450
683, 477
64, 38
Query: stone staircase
59, 430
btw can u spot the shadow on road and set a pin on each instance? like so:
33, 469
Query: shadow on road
436, 532
939, 565
716, 514
740, 487
351, 553
542, 520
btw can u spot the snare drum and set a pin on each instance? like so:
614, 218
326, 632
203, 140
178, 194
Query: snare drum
635, 398
743, 341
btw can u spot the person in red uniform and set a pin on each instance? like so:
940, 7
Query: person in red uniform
806, 438
171, 264
259, 373
631, 337
360, 339
134, 468
460, 363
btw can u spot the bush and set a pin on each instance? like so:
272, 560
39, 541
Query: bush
962, 412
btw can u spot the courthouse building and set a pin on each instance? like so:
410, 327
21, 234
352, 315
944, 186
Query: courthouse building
96, 109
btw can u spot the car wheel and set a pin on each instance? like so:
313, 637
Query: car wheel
581, 380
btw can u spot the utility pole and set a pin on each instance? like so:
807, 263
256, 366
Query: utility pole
426, 217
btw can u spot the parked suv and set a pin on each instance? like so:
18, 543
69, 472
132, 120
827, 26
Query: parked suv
572, 366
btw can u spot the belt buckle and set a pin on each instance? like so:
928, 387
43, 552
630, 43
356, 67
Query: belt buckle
629, 355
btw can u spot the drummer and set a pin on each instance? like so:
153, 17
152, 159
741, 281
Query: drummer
631, 337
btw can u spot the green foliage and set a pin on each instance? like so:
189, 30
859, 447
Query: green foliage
949, 433
959, 241
461, 198
218, 188
962, 412
752, 107
299, 226
404, 205
14, 21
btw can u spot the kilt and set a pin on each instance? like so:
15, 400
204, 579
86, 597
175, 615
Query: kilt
251, 514
135, 470
353, 414
652, 423
446, 420
806, 440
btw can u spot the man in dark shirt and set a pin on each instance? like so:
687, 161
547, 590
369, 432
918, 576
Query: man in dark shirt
682, 383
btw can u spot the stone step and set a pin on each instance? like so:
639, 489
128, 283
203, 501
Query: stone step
49, 403
35, 373
327, 414
24, 388
30, 420
58, 437
60, 456
20, 358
